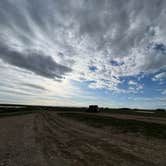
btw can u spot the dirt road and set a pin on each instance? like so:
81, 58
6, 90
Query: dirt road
17, 142
46, 139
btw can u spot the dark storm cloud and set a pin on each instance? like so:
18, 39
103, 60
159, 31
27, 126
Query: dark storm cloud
35, 62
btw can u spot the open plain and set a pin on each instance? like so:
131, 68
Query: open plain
77, 138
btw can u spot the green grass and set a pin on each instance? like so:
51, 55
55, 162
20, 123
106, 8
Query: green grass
122, 125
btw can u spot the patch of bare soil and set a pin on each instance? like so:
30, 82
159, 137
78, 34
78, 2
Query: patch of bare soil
17, 142
67, 142
46, 139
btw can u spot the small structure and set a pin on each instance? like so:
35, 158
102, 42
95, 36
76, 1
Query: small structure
93, 108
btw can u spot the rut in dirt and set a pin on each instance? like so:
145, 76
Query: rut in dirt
70, 143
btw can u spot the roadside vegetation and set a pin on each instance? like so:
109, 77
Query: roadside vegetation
147, 129
17, 110
141, 112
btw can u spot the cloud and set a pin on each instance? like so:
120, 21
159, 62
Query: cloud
15, 92
36, 62
153, 100
132, 82
34, 86
159, 77
163, 92
123, 42
102, 41
134, 87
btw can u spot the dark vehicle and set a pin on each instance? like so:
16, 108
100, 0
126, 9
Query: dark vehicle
161, 110
93, 108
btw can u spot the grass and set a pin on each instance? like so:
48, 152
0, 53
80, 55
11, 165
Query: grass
134, 112
132, 126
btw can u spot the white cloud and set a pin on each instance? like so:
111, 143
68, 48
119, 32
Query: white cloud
164, 92
79, 34
131, 82
159, 77
134, 87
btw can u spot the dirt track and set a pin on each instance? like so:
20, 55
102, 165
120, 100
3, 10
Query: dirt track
17, 142
45, 139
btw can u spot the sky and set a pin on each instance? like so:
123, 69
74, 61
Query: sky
80, 52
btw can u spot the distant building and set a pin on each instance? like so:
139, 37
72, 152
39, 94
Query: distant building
93, 108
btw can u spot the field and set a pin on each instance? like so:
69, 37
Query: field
57, 136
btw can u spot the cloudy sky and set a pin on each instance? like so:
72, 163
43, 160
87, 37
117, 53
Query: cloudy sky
79, 52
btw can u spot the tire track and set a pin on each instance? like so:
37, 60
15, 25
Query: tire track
71, 143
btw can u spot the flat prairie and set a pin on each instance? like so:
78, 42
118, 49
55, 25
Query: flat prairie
71, 138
